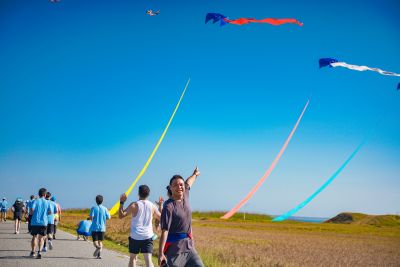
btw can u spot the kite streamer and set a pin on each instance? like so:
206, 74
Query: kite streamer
215, 17
304, 203
270, 169
331, 62
116, 205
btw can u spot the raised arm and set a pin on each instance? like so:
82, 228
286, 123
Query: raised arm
193, 177
157, 212
131, 209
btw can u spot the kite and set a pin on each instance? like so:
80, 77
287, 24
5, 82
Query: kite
331, 62
116, 205
150, 12
215, 17
305, 202
268, 172
398, 87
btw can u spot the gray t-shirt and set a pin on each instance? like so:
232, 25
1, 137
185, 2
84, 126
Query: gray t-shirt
176, 217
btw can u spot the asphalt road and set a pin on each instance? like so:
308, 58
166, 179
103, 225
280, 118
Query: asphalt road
68, 252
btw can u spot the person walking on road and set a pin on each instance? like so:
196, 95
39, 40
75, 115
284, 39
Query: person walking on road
39, 211
18, 209
3, 210
98, 214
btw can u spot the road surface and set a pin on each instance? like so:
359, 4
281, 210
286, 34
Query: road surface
68, 252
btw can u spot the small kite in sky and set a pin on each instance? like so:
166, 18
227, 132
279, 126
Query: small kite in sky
150, 12
55, 1
215, 17
398, 87
331, 62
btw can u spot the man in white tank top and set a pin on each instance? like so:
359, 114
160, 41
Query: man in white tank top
141, 237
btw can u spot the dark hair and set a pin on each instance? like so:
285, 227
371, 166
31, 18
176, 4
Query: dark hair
48, 195
42, 192
32, 197
144, 191
99, 199
89, 218
176, 176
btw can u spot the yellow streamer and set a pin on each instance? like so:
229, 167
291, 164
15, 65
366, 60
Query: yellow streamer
115, 208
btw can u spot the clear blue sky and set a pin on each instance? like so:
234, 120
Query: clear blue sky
86, 88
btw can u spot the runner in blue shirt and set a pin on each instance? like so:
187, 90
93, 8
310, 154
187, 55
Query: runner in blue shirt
3, 209
28, 212
39, 211
99, 214
50, 223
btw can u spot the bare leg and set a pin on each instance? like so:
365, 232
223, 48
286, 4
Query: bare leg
42, 239
147, 259
132, 260
33, 243
16, 225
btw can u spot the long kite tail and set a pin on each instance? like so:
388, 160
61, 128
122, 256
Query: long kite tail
116, 205
270, 169
305, 202
331, 62
272, 21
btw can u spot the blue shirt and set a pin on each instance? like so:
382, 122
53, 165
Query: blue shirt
84, 226
4, 205
41, 207
29, 205
53, 208
99, 216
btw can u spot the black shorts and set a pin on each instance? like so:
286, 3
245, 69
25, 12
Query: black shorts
38, 230
98, 236
50, 229
140, 246
18, 215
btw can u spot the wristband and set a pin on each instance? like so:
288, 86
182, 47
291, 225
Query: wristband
121, 202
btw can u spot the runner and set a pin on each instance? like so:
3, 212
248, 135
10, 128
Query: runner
18, 209
3, 210
98, 214
40, 210
142, 235
50, 223
57, 216
28, 212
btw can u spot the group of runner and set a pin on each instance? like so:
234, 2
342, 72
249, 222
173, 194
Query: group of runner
173, 217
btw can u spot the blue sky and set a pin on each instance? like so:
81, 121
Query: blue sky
87, 87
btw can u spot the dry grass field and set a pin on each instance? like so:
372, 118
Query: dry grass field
259, 242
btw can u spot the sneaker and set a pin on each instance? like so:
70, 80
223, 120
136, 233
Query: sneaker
44, 249
39, 256
50, 245
96, 252
32, 255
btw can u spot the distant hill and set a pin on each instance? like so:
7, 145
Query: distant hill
365, 219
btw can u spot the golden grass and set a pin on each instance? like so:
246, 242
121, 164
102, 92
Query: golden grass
260, 242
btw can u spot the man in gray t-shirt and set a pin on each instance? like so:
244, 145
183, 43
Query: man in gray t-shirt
176, 243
